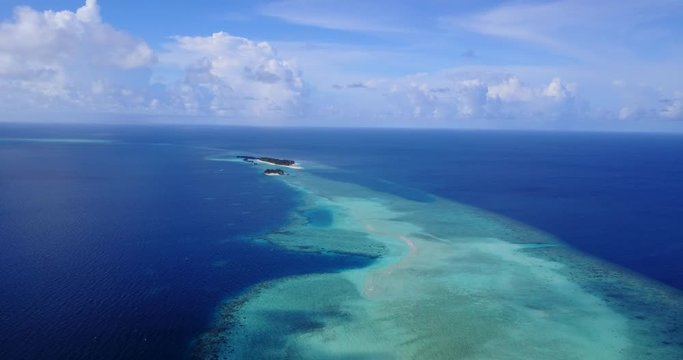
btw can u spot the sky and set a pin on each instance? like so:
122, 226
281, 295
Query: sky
567, 64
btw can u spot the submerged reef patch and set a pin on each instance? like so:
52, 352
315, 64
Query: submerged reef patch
449, 281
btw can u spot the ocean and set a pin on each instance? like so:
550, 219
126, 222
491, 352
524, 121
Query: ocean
128, 242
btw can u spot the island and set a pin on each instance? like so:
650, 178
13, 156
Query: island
274, 161
269, 160
274, 172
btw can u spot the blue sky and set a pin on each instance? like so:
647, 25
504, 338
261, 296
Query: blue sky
614, 65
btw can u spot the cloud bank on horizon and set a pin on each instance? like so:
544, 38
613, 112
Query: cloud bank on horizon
554, 64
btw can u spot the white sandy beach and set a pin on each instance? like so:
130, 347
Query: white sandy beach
296, 166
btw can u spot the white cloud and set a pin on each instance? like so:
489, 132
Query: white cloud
74, 61
471, 98
234, 77
54, 59
558, 91
457, 98
510, 89
421, 100
673, 107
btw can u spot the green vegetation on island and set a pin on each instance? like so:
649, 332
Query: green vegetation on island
274, 172
270, 160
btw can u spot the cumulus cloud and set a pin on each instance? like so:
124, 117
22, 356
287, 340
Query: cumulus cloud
422, 102
510, 89
74, 61
232, 76
54, 58
468, 97
559, 91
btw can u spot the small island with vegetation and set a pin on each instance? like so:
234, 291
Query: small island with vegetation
274, 172
283, 162
269, 160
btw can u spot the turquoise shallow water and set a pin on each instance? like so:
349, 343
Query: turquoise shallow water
451, 281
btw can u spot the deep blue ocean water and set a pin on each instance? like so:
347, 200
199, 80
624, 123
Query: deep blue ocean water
124, 250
